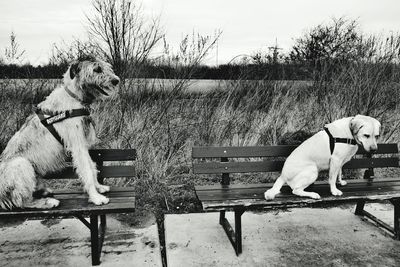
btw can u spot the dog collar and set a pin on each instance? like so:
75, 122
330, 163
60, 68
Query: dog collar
86, 100
57, 117
333, 140
71, 94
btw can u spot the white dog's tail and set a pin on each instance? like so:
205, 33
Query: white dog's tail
276, 188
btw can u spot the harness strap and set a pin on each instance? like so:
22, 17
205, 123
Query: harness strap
57, 117
333, 140
50, 127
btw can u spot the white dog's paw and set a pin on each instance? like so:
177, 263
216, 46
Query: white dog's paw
102, 188
98, 199
342, 182
52, 202
315, 195
269, 194
336, 192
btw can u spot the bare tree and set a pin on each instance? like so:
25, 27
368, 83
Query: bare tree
13, 54
122, 34
63, 53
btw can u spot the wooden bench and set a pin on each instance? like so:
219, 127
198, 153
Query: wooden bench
74, 203
241, 197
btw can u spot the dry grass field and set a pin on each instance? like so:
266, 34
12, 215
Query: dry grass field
164, 119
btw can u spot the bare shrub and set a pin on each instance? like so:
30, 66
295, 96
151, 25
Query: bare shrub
13, 54
368, 85
123, 35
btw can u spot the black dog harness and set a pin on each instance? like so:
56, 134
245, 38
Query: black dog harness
57, 117
333, 140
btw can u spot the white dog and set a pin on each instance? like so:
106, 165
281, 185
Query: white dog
61, 128
328, 149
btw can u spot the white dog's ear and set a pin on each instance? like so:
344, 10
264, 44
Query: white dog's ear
377, 126
356, 124
74, 69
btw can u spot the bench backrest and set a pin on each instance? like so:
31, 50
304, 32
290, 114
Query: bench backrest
218, 160
100, 156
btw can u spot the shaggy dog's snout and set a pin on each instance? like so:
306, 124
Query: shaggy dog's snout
115, 82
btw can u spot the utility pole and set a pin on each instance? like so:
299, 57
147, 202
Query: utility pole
216, 46
275, 51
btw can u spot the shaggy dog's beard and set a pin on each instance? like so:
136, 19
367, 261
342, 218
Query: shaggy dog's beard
92, 91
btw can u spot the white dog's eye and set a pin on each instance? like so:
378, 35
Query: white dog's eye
366, 135
98, 69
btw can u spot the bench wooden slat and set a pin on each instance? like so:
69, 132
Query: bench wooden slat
115, 190
372, 163
276, 166
117, 171
218, 192
73, 204
295, 201
268, 151
105, 172
80, 194
218, 197
113, 154
242, 152
350, 183
382, 149
237, 167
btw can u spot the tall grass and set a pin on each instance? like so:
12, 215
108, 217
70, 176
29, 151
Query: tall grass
163, 120
163, 125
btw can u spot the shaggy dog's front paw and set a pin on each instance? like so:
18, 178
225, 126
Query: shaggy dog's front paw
102, 188
336, 192
99, 199
342, 182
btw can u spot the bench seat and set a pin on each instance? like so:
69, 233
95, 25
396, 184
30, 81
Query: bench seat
75, 203
229, 197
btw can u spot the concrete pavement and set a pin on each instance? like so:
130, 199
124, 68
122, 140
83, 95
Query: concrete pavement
67, 243
297, 237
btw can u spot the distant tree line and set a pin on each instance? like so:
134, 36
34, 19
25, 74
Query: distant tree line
282, 71
318, 54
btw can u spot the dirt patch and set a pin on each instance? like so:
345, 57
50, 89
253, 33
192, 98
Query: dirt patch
147, 242
50, 222
138, 219
11, 222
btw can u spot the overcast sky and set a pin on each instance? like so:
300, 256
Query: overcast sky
247, 25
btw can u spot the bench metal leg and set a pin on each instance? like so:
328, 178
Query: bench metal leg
360, 208
394, 230
97, 233
396, 204
235, 236
94, 239
103, 225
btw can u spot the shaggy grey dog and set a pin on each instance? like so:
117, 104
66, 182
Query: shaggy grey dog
61, 127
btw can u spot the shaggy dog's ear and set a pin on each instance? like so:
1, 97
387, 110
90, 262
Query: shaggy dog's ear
74, 69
